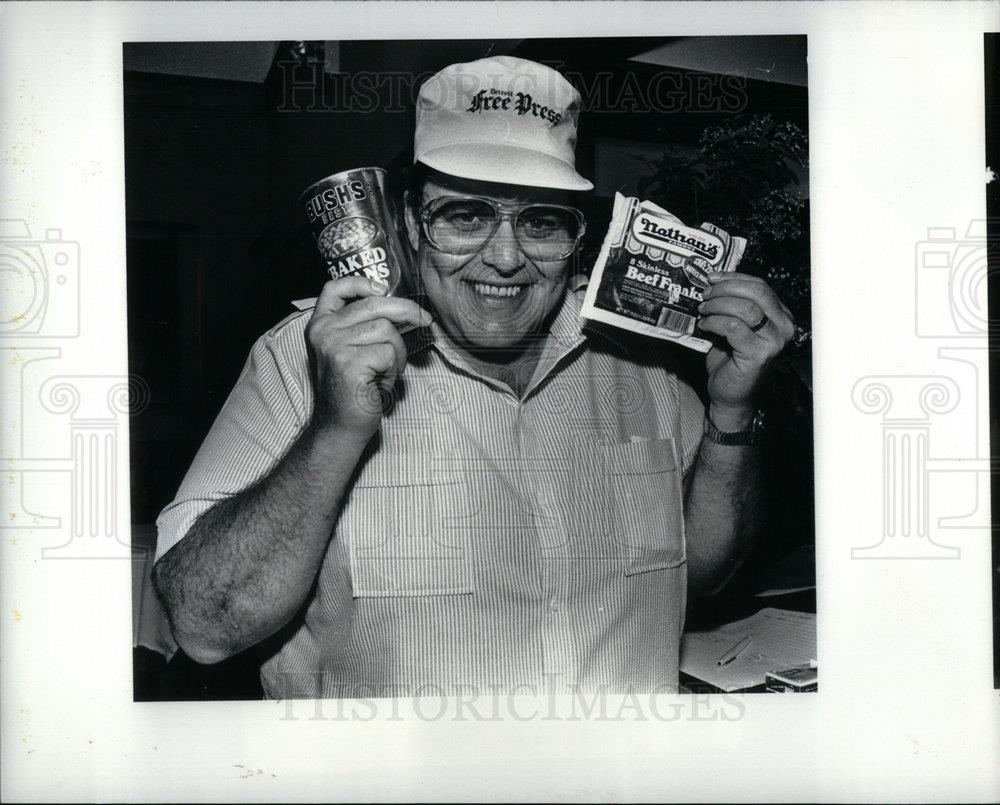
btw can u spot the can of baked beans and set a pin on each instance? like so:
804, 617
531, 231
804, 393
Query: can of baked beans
352, 219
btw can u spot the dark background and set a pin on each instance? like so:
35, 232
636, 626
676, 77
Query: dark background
220, 140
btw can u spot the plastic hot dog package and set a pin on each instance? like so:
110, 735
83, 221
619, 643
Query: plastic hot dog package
652, 270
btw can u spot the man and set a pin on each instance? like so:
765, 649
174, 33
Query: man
505, 499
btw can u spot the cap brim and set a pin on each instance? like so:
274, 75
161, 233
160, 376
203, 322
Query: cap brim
504, 164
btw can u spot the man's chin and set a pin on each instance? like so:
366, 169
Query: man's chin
501, 339
479, 330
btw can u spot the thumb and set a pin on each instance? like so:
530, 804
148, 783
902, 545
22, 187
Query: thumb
375, 393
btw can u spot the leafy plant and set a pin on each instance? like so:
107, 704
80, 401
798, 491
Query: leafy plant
742, 177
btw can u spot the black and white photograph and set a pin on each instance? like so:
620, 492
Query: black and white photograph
388, 451
517, 401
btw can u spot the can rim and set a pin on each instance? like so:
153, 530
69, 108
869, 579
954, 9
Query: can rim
334, 176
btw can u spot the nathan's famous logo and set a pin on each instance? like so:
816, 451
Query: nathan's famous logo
330, 199
521, 103
664, 234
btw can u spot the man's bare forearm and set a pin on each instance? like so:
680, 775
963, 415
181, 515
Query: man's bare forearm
246, 565
723, 510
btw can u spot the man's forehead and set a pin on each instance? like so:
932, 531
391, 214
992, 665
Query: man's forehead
436, 186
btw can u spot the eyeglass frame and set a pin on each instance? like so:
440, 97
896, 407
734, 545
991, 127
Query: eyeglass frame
503, 212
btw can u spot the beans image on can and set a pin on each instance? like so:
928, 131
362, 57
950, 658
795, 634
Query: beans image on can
352, 221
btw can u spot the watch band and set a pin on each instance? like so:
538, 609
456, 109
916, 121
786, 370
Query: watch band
749, 436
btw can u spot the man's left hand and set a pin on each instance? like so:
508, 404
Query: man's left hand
756, 327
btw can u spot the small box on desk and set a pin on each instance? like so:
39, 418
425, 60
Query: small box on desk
798, 679
691, 684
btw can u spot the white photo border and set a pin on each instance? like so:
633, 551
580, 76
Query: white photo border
907, 708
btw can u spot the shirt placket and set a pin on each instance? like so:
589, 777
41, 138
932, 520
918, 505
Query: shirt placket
550, 475
538, 468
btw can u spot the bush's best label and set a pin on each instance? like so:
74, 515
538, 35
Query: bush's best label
351, 219
328, 203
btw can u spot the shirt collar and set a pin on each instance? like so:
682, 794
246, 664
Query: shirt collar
567, 331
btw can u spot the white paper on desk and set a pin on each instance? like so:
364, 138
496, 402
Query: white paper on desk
781, 638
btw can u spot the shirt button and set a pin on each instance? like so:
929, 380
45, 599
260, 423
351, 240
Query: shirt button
554, 605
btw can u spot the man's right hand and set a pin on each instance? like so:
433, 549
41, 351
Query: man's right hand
248, 563
355, 352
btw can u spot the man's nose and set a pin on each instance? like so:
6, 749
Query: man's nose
502, 252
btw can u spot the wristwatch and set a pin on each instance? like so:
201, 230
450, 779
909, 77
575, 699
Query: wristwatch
749, 436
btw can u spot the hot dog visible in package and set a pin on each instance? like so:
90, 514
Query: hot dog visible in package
651, 272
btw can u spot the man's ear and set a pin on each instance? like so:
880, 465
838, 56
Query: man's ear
412, 222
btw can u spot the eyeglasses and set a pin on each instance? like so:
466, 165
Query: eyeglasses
465, 224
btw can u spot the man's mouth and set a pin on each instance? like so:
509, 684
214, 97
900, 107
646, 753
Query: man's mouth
497, 291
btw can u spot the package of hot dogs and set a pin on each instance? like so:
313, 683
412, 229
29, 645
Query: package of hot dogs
652, 270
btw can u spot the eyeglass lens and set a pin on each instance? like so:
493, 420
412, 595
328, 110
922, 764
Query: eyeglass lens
464, 226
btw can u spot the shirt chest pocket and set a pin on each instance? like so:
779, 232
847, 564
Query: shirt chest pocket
646, 504
404, 536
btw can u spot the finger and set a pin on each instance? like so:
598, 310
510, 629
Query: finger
395, 309
336, 293
719, 276
379, 331
736, 332
745, 310
770, 290
758, 292
380, 359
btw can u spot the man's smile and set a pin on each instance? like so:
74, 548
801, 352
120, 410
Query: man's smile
495, 290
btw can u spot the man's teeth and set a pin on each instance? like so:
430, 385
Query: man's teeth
497, 290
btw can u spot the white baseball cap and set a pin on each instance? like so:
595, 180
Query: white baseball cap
500, 119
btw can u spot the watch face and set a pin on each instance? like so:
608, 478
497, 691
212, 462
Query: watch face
742, 437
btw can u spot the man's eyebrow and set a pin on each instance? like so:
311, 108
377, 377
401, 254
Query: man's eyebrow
506, 201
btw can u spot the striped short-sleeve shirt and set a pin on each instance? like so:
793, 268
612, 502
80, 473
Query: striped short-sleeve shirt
489, 541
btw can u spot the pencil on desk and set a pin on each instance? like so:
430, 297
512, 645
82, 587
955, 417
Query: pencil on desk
734, 652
